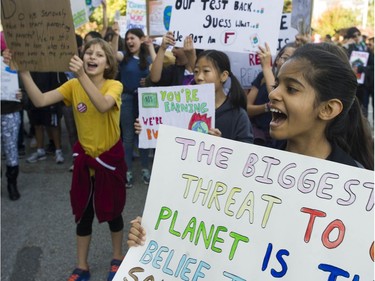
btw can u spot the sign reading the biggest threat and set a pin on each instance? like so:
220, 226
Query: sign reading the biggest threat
218, 209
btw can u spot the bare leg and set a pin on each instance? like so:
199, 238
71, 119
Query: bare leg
117, 244
83, 244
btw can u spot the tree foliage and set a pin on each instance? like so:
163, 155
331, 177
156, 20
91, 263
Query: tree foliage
96, 18
370, 15
335, 19
287, 6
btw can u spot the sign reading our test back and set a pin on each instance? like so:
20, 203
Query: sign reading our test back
218, 209
40, 34
237, 26
190, 107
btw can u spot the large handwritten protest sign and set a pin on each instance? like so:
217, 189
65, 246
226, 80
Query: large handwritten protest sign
9, 83
136, 14
236, 26
40, 34
190, 107
217, 209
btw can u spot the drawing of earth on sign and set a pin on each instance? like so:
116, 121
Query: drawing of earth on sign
167, 16
200, 123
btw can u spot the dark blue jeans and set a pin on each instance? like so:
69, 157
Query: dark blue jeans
127, 118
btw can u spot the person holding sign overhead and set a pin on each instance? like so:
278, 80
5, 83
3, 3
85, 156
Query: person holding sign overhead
354, 47
315, 109
180, 73
99, 175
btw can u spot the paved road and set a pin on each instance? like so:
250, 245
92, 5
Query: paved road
38, 231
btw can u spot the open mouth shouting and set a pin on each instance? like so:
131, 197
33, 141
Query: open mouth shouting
278, 117
91, 66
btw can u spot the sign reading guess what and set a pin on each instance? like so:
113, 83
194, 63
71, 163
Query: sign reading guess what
191, 107
218, 209
235, 26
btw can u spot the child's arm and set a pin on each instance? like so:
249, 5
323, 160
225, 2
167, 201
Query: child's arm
114, 43
137, 234
137, 126
190, 53
38, 98
265, 60
105, 18
252, 108
102, 103
214, 132
157, 65
150, 47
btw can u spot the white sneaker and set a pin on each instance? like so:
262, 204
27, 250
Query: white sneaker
59, 157
146, 176
36, 156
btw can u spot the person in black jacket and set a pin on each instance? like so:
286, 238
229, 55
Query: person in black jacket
355, 43
315, 109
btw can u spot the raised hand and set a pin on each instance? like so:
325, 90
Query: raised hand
264, 55
168, 40
137, 234
76, 66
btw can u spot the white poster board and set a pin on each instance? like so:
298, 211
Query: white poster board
227, 25
159, 16
246, 66
122, 22
91, 5
9, 83
79, 12
359, 59
218, 209
191, 107
136, 14
301, 15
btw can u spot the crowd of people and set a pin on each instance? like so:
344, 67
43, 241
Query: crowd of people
307, 101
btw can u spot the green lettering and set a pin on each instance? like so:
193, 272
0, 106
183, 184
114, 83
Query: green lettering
203, 232
217, 239
165, 213
171, 227
237, 238
190, 229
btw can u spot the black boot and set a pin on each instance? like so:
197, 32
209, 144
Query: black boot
12, 174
